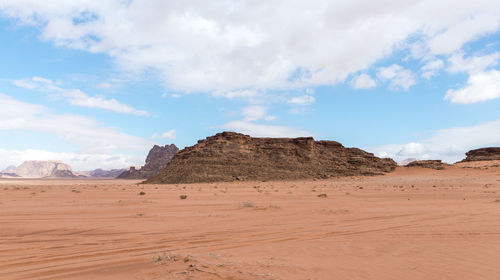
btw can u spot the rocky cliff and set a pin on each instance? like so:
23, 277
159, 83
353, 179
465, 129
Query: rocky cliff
230, 156
433, 164
157, 159
491, 153
44, 169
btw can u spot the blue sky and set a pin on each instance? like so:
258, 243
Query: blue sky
97, 84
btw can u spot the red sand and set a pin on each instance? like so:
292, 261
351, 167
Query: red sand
411, 224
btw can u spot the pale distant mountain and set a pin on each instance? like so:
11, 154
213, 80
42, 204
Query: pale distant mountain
407, 161
44, 169
54, 169
9, 169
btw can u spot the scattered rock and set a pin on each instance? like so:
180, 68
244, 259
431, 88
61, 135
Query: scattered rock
142, 193
183, 196
323, 195
230, 156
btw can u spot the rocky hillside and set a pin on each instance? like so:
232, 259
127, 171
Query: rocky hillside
433, 164
157, 159
230, 156
43, 169
491, 153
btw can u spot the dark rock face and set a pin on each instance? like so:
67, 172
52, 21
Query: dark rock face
100, 173
491, 153
434, 164
230, 156
157, 159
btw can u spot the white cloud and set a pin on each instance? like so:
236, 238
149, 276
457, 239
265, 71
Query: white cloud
481, 86
91, 135
236, 94
430, 68
363, 81
228, 46
398, 76
261, 130
302, 100
76, 97
449, 145
104, 85
470, 27
171, 134
472, 64
254, 113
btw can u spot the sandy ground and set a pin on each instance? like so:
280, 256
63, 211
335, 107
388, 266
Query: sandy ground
411, 224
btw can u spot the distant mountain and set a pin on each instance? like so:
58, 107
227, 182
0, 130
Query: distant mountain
8, 175
407, 161
100, 173
157, 159
43, 169
54, 169
9, 169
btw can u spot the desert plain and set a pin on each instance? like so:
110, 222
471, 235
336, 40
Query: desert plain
413, 223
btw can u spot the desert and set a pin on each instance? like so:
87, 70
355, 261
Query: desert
249, 140
412, 223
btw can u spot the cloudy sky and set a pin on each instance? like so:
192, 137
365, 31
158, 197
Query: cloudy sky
97, 83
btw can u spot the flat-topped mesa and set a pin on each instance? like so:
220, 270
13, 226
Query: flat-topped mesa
433, 164
491, 153
230, 156
157, 159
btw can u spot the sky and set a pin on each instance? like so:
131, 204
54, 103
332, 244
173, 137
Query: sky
96, 84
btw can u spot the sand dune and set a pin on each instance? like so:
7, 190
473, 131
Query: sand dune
413, 223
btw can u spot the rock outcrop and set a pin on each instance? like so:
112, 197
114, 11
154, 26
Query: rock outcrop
433, 164
157, 159
230, 156
44, 169
101, 173
491, 153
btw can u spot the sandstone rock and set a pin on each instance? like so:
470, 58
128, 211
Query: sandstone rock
157, 159
434, 164
491, 153
230, 156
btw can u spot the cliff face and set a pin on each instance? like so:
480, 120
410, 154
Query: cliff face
433, 164
230, 156
44, 169
491, 153
157, 159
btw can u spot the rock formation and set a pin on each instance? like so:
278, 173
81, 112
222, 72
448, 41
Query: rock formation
44, 169
407, 161
157, 159
491, 153
434, 164
230, 156
100, 173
